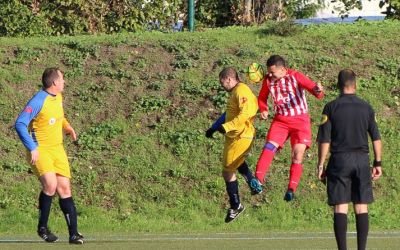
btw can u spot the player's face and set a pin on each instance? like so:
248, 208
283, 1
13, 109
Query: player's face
226, 83
59, 83
276, 72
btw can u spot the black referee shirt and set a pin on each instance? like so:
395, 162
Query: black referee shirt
346, 123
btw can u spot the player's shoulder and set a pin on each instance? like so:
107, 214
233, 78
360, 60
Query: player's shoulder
331, 104
39, 98
365, 103
243, 89
293, 72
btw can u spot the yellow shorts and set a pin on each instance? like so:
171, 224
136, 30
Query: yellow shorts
52, 159
235, 152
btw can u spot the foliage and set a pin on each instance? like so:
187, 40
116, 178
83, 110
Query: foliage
151, 103
16, 19
57, 17
282, 28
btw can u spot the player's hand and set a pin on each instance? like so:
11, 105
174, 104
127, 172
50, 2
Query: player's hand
318, 89
34, 156
321, 174
264, 115
210, 132
376, 173
71, 132
221, 130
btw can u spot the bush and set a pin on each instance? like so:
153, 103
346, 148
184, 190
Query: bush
283, 28
17, 20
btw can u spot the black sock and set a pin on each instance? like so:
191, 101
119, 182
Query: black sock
245, 171
362, 226
233, 192
67, 205
340, 228
44, 209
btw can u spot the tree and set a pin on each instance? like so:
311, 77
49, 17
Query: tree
392, 8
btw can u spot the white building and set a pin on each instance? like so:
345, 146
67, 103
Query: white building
370, 8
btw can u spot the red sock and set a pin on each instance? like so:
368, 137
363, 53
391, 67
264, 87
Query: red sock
296, 170
264, 163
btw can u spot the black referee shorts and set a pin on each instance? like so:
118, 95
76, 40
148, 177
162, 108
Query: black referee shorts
349, 178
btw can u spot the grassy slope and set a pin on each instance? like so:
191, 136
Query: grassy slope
141, 103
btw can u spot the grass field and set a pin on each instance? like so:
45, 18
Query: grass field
141, 103
299, 241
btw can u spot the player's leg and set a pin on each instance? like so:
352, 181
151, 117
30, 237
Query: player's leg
362, 195
44, 168
68, 208
339, 188
296, 170
362, 225
340, 225
66, 201
254, 184
277, 135
232, 158
243, 147
232, 188
49, 184
300, 140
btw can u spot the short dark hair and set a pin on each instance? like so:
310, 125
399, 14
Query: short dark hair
229, 72
49, 76
276, 60
346, 78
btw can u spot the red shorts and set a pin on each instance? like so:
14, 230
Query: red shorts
298, 128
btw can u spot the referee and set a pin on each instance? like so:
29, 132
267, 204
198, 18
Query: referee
345, 125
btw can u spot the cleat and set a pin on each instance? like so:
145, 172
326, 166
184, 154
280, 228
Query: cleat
76, 239
46, 234
255, 186
233, 213
289, 196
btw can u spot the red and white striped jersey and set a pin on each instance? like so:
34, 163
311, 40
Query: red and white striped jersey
288, 93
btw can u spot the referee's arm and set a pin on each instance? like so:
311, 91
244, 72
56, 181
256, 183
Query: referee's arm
377, 145
324, 142
323, 149
377, 165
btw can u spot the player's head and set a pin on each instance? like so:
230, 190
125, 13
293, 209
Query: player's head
346, 80
228, 78
276, 67
53, 78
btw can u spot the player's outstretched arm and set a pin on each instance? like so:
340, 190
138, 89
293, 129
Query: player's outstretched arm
315, 89
216, 126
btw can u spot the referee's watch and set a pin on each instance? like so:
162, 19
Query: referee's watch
377, 163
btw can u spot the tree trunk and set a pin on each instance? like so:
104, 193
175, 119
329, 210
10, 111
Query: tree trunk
247, 17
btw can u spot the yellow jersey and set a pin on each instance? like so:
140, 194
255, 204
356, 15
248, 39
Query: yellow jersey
42, 121
240, 112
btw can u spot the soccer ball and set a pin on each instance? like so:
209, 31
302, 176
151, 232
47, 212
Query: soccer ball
255, 73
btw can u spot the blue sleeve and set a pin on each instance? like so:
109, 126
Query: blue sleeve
219, 122
25, 117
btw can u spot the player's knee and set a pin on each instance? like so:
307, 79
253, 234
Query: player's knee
50, 189
270, 147
228, 175
297, 157
360, 208
64, 191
